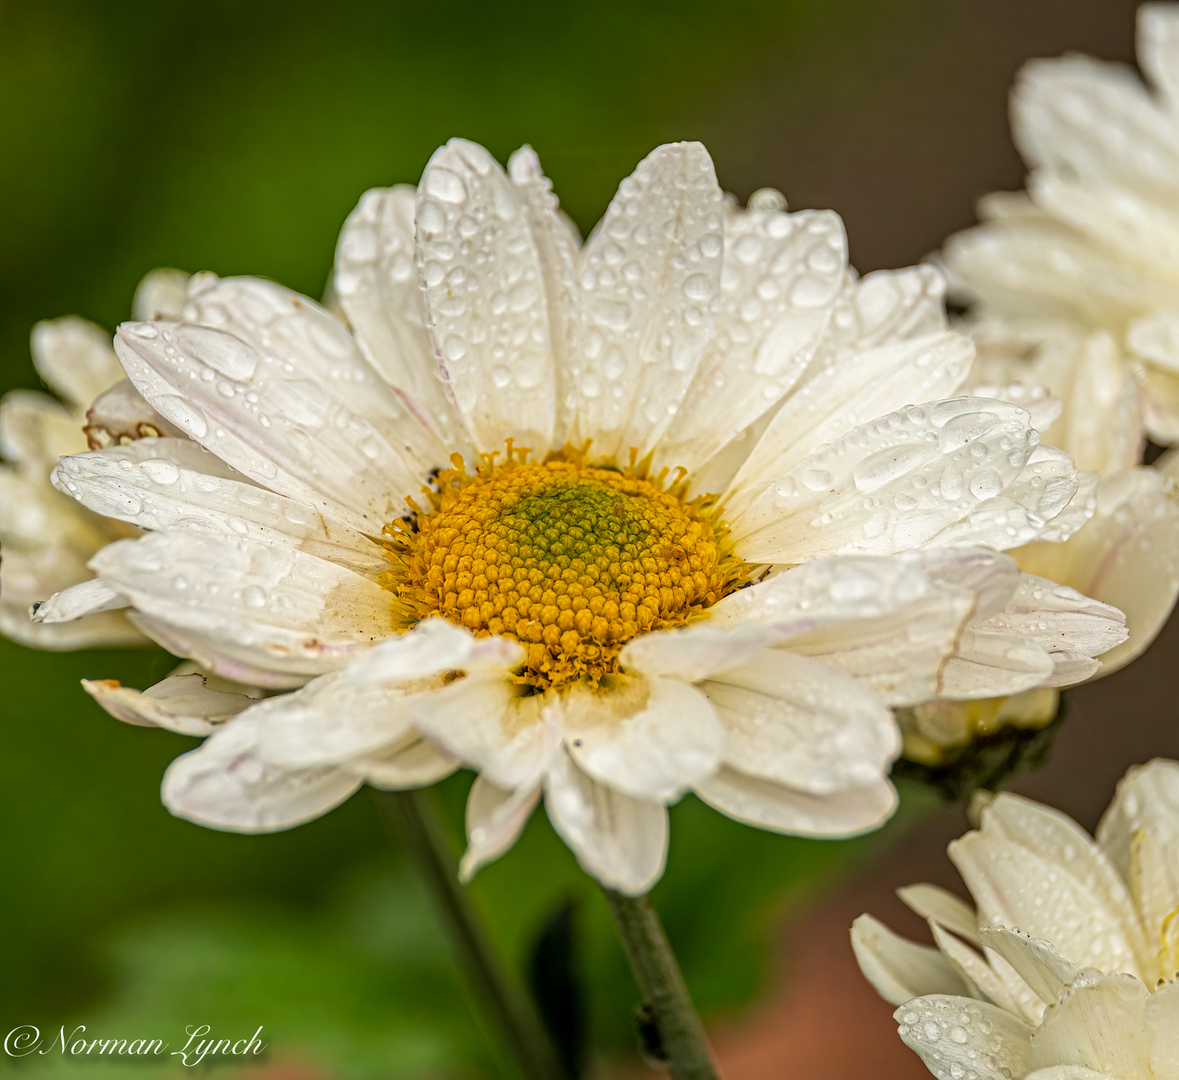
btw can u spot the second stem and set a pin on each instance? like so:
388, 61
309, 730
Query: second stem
681, 1034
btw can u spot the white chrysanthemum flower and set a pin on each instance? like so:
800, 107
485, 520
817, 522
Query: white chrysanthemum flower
1068, 967
1126, 555
1082, 271
356, 520
48, 539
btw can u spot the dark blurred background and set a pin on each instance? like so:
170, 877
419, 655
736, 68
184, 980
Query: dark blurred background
236, 136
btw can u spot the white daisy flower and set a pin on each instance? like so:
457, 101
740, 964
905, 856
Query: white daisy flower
1125, 556
47, 539
469, 520
1081, 272
1068, 966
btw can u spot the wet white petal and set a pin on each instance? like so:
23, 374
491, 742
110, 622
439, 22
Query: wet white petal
486, 304
621, 840
797, 813
649, 282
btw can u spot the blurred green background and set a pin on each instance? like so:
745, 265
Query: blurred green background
236, 136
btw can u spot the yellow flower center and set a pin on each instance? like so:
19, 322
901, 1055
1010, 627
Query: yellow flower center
571, 560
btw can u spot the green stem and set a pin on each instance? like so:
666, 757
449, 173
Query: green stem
414, 820
668, 1007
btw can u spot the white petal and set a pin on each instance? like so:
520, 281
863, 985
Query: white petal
649, 738
1129, 223
958, 1037
272, 606
1162, 1018
371, 704
1097, 1026
215, 652
484, 721
1126, 556
35, 431
890, 622
1139, 834
898, 969
1043, 408
1158, 47
1067, 1072
798, 722
797, 813
33, 517
412, 763
992, 663
1069, 627
891, 305
1034, 869
120, 415
181, 703
109, 629
85, 598
161, 484
890, 485
282, 426
692, 653
75, 357
495, 818
781, 277
486, 307
1093, 119
223, 785
1041, 268
160, 294
376, 283
557, 243
1035, 961
938, 905
989, 977
619, 840
650, 280
1034, 506
851, 388
314, 345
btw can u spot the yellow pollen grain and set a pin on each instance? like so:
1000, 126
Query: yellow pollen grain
570, 560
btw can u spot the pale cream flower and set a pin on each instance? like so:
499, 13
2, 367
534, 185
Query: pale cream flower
46, 538
575, 620
1081, 272
1068, 966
